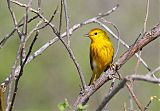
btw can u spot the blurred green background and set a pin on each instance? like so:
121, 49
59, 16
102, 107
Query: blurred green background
52, 76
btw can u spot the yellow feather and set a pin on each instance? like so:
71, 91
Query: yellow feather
101, 52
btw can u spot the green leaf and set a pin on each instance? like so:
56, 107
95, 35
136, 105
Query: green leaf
63, 106
81, 107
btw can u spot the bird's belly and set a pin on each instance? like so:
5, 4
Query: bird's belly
102, 58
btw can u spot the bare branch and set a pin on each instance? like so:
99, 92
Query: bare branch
75, 27
59, 37
39, 5
146, 17
122, 42
134, 97
150, 101
67, 20
11, 76
121, 84
110, 90
144, 30
147, 38
118, 35
144, 78
3, 41
115, 90
154, 71
21, 72
60, 20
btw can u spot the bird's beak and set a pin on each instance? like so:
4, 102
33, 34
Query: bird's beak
86, 35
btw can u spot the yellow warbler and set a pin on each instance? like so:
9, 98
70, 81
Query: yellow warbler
101, 52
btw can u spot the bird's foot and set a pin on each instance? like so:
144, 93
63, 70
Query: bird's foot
113, 66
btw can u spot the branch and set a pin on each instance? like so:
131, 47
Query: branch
6, 37
11, 76
75, 27
114, 91
67, 20
154, 71
21, 72
144, 78
59, 37
144, 30
121, 84
147, 38
122, 42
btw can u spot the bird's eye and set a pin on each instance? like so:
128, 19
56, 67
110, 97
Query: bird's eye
95, 33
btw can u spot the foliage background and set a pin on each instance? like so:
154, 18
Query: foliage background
52, 76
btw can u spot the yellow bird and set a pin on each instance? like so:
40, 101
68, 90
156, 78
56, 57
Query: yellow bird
101, 52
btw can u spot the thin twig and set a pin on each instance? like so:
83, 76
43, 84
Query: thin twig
39, 5
110, 90
150, 101
76, 26
130, 89
130, 96
146, 39
81, 75
17, 68
121, 84
131, 102
131, 93
145, 78
73, 28
122, 42
49, 20
3, 41
11, 76
67, 20
20, 52
147, 106
138, 61
125, 106
146, 17
154, 71
118, 35
21, 71
115, 90
60, 16
34, 11
144, 31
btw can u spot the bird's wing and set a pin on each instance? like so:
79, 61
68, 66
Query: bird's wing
91, 62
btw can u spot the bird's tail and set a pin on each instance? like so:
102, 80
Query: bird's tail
93, 78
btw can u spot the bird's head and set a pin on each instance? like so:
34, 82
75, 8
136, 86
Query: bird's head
97, 34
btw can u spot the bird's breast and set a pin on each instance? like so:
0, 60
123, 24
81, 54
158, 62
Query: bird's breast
101, 54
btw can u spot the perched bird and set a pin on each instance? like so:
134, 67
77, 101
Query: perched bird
101, 52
